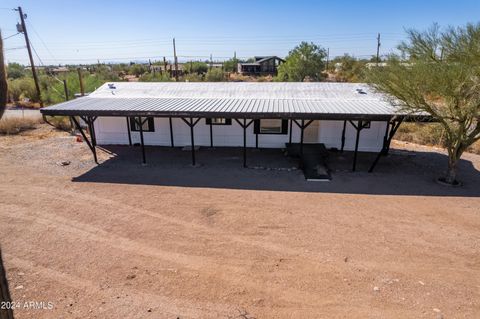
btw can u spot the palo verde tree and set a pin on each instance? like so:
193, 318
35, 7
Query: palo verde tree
438, 73
3, 80
305, 62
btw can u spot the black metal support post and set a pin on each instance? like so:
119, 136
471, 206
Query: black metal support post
129, 133
343, 135
357, 139
290, 132
90, 145
392, 127
244, 125
144, 160
94, 136
385, 139
211, 135
302, 127
360, 126
171, 131
140, 123
256, 140
191, 123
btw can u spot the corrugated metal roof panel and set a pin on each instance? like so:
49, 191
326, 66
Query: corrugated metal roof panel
228, 99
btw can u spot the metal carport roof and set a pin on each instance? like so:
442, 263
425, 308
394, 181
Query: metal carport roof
233, 100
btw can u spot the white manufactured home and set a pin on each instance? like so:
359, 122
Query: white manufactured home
268, 133
345, 116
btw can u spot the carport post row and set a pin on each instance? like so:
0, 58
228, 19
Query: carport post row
358, 122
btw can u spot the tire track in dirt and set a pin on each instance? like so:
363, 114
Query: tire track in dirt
199, 264
171, 306
67, 195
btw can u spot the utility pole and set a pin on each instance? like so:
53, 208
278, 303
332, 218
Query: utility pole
175, 60
80, 79
65, 88
29, 49
211, 61
378, 48
3, 85
235, 66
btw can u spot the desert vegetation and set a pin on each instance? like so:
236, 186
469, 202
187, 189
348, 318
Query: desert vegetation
439, 78
15, 125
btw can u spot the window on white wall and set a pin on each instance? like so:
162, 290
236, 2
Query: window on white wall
271, 126
218, 121
148, 126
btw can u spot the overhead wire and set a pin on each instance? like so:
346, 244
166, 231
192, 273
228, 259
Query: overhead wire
41, 40
11, 36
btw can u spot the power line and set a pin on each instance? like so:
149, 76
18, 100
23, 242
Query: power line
36, 54
16, 48
11, 36
41, 40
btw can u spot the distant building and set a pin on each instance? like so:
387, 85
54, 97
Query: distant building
261, 65
59, 70
215, 65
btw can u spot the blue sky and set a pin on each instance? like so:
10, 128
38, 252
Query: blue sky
84, 31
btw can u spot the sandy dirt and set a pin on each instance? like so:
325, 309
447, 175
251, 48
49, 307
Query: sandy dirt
166, 240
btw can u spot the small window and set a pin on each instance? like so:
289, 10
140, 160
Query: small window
273, 126
218, 121
148, 126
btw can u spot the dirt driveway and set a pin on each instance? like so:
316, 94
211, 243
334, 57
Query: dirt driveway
169, 241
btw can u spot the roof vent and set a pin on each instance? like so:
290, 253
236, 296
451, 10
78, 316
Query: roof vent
111, 86
360, 91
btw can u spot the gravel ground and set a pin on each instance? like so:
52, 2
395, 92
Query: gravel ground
166, 240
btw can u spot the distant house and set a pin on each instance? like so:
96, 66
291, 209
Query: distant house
59, 70
261, 65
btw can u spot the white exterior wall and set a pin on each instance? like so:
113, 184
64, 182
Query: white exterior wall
113, 130
371, 139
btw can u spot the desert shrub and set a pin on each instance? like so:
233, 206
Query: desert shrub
137, 69
60, 122
22, 88
431, 134
421, 133
15, 125
53, 91
267, 78
15, 71
157, 77
195, 67
214, 75
192, 77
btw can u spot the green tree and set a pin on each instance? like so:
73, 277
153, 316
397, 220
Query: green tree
231, 65
349, 68
440, 78
305, 62
15, 70
3, 80
195, 67
23, 88
214, 75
